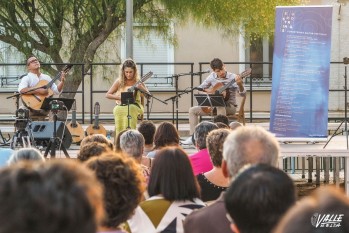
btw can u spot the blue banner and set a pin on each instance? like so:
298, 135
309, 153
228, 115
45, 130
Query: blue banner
301, 67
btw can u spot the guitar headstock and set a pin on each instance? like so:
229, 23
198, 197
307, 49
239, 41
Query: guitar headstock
96, 109
146, 76
246, 73
73, 108
67, 68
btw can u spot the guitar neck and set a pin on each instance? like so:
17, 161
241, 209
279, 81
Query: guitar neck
73, 118
96, 123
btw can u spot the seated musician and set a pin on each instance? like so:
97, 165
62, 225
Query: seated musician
128, 78
34, 79
218, 78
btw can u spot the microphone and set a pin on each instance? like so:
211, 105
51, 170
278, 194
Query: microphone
198, 88
201, 72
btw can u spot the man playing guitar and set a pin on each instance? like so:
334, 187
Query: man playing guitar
218, 78
32, 79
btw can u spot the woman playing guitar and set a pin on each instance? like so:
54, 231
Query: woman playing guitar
217, 80
126, 115
33, 81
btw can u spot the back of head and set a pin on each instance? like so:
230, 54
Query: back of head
57, 196
166, 135
249, 145
132, 143
201, 132
97, 138
214, 141
26, 154
308, 216
91, 149
172, 176
221, 118
235, 124
147, 129
258, 197
123, 186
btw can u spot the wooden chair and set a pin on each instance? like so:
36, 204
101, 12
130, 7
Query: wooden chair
239, 115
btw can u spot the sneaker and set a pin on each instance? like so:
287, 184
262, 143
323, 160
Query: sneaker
187, 141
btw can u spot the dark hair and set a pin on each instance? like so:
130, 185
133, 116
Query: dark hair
325, 200
90, 150
258, 197
221, 118
172, 176
123, 186
221, 125
147, 129
58, 196
214, 141
166, 135
216, 63
97, 138
201, 131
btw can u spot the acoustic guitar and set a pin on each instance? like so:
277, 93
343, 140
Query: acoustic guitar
34, 101
220, 88
96, 128
75, 129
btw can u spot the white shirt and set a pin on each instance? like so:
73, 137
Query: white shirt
31, 80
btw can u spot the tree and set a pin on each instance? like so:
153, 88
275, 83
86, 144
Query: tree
46, 28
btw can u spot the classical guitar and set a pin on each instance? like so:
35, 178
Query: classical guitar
96, 128
34, 101
221, 88
75, 129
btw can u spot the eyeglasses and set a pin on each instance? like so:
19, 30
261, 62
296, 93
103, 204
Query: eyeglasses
32, 61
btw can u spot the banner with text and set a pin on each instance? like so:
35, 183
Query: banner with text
301, 67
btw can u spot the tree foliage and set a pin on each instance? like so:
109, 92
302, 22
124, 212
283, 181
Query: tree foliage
47, 28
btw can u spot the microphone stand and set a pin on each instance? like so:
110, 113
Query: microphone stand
175, 98
148, 95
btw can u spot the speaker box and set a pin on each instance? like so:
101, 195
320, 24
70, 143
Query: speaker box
43, 132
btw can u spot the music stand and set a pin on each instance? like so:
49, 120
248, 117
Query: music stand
213, 100
55, 141
127, 98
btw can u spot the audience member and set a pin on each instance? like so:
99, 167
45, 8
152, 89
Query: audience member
200, 160
245, 145
173, 191
97, 138
221, 125
165, 135
123, 188
258, 198
221, 118
58, 196
326, 210
26, 154
147, 129
235, 124
132, 143
91, 149
213, 182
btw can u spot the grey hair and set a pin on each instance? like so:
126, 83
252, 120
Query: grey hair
201, 131
132, 143
250, 144
25, 154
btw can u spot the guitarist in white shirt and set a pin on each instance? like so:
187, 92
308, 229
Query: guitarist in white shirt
219, 75
33, 77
